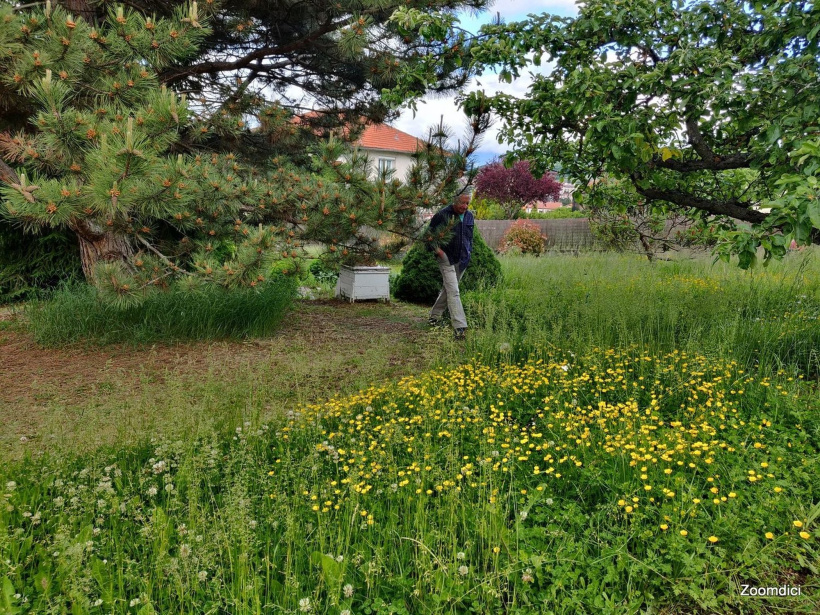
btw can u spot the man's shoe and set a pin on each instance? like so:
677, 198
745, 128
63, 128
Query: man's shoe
433, 322
460, 335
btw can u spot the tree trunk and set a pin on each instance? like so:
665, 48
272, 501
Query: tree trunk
81, 8
108, 247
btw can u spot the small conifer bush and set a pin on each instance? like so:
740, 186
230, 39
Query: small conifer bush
420, 278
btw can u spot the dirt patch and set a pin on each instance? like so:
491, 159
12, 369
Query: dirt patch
323, 348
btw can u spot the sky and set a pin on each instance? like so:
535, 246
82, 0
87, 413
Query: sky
430, 109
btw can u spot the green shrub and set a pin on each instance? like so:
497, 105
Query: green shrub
523, 237
555, 214
487, 209
31, 264
420, 278
77, 314
323, 273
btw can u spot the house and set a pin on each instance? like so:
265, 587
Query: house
389, 149
542, 207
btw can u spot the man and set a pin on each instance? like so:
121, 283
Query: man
453, 225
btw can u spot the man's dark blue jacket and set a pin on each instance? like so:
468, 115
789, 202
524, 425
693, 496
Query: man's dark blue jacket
459, 248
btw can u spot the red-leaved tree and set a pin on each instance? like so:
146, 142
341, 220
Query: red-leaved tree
514, 187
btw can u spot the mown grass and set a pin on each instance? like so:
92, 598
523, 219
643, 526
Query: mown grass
75, 314
615, 437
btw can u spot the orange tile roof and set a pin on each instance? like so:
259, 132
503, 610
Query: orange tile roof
384, 137
376, 136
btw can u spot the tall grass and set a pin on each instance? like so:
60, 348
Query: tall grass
766, 318
76, 314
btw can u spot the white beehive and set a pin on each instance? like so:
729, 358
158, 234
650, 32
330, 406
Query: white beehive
364, 283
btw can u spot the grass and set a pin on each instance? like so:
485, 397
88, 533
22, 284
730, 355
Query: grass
75, 314
615, 437
765, 318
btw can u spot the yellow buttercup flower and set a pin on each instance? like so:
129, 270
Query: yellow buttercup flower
713, 539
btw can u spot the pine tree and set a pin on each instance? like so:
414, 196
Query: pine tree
126, 164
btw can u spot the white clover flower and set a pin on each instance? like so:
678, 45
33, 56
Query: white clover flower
504, 347
527, 576
340, 558
152, 491
548, 501
184, 550
134, 602
565, 368
463, 570
345, 612
97, 602
23, 439
202, 576
304, 605
523, 515
11, 485
461, 555
252, 524
59, 502
347, 590
159, 467
169, 487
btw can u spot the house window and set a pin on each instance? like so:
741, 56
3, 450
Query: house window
386, 166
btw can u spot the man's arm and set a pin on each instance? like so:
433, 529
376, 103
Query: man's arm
437, 233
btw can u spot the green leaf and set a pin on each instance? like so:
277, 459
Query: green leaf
7, 597
773, 133
333, 571
813, 211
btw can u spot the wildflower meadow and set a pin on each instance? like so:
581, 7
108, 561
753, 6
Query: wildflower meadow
622, 437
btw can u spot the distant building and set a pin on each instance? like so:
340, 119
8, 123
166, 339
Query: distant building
566, 194
389, 149
542, 207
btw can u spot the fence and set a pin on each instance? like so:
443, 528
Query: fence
563, 234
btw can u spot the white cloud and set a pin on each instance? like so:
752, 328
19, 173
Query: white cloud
509, 8
431, 110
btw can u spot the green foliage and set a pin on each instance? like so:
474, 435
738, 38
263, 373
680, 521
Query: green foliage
703, 107
523, 238
76, 314
487, 209
420, 277
112, 170
556, 214
323, 272
31, 264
